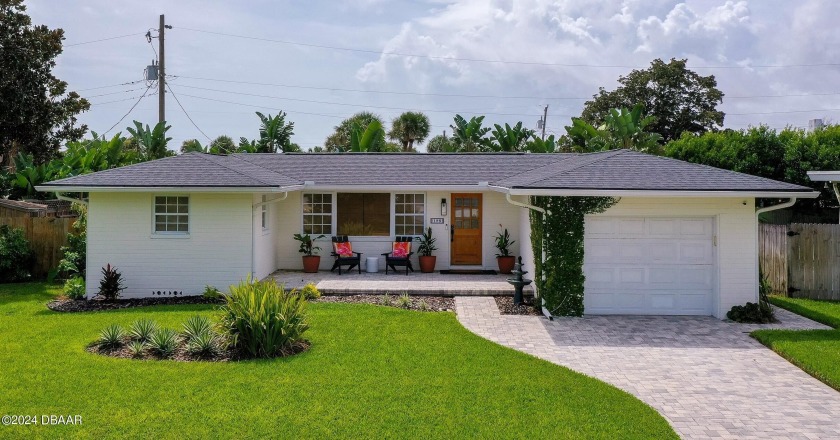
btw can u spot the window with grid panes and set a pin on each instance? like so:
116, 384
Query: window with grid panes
317, 214
172, 214
409, 214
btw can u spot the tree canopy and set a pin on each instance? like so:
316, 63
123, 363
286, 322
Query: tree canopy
786, 155
38, 113
622, 128
679, 99
275, 134
410, 128
340, 140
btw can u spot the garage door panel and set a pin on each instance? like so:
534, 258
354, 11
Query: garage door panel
649, 266
663, 251
695, 252
631, 227
599, 227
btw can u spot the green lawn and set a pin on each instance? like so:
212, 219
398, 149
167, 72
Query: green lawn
815, 351
372, 372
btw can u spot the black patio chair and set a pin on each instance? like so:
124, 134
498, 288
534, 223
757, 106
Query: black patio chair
392, 260
346, 258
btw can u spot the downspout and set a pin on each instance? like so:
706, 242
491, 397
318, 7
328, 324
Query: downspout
791, 201
70, 199
254, 230
544, 213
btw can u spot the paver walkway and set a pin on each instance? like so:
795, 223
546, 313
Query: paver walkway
707, 377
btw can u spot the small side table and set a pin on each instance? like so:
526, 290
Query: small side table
372, 264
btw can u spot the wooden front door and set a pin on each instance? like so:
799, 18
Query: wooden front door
466, 229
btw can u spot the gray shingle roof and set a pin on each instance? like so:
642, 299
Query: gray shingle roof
609, 170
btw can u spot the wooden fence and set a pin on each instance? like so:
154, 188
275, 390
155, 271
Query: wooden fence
46, 236
801, 260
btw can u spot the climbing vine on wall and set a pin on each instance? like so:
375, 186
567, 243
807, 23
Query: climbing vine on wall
561, 233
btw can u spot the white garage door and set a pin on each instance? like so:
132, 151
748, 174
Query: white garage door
649, 266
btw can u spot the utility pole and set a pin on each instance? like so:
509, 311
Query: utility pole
161, 72
545, 111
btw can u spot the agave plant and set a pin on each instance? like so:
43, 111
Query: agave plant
196, 326
164, 341
111, 336
142, 330
203, 345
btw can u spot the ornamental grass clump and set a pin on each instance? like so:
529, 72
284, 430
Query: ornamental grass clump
262, 319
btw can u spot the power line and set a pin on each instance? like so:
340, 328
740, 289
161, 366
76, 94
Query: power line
121, 100
357, 105
481, 60
259, 106
785, 111
339, 89
102, 39
112, 85
114, 93
185, 112
458, 95
131, 109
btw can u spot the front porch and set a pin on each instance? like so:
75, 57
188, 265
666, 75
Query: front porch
416, 283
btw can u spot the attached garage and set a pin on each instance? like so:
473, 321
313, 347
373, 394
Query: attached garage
649, 265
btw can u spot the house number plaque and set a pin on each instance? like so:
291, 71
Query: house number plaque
436, 221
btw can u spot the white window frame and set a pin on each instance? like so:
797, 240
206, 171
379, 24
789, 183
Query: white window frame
394, 214
264, 213
363, 238
332, 212
171, 234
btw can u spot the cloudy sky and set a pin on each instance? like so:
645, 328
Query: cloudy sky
777, 61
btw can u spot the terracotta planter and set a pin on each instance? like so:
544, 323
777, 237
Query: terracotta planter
311, 263
506, 263
427, 264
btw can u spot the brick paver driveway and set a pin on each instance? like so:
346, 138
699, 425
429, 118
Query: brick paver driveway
706, 376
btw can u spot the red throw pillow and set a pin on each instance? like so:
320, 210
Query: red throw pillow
401, 249
344, 249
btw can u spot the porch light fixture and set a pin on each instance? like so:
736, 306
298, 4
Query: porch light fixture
443, 207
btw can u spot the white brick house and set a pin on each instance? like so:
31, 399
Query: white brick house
681, 240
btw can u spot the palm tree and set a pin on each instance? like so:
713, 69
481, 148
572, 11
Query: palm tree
192, 145
275, 133
222, 145
408, 128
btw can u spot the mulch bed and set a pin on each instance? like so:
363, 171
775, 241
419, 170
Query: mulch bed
433, 303
94, 305
506, 307
182, 355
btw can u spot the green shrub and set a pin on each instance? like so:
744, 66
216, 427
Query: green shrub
404, 301
756, 313
211, 292
136, 348
111, 336
424, 306
111, 283
261, 319
164, 341
74, 255
74, 288
203, 345
142, 330
386, 300
310, 292
16, 256
196, 326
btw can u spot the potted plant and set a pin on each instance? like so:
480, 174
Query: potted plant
308, 249
427, 246
504, 258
